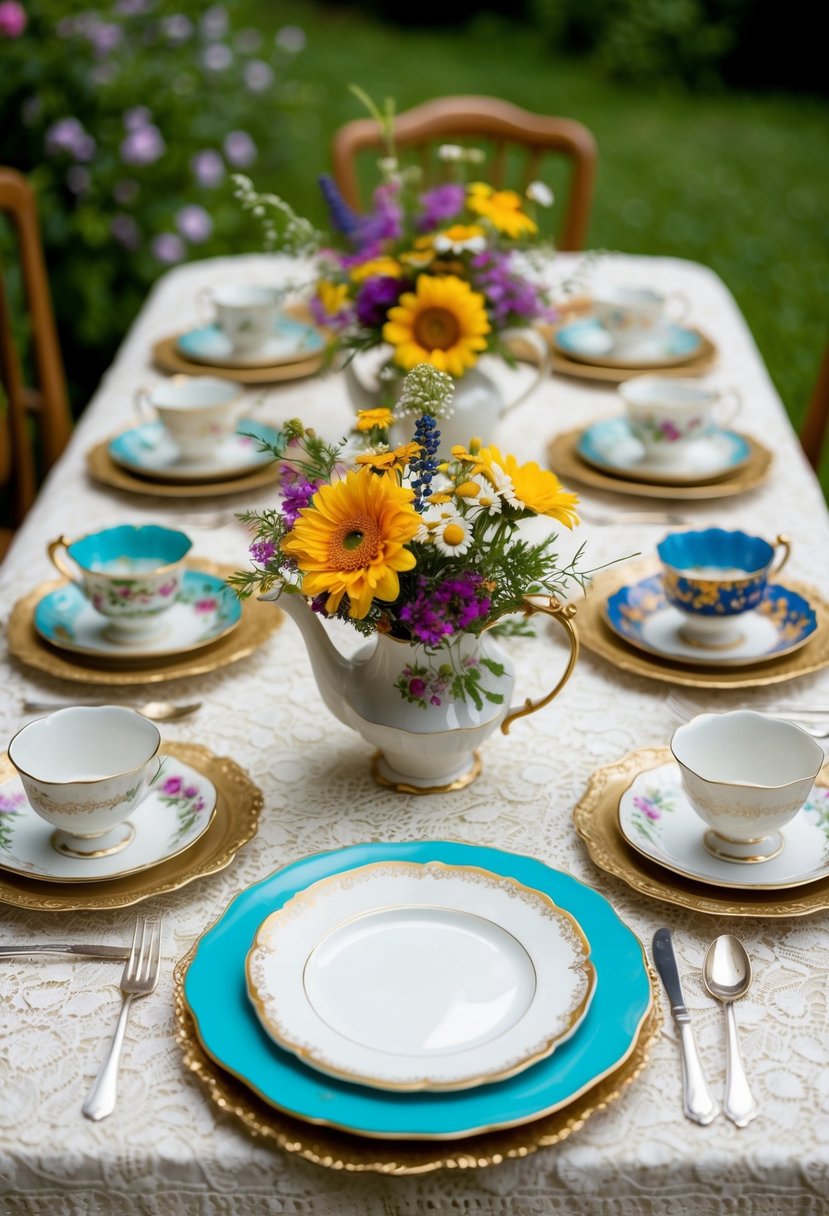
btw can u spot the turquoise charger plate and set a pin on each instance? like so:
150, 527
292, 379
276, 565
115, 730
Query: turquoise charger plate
587, 339
216, 995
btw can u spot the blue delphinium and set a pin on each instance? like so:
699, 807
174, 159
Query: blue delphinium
424, 466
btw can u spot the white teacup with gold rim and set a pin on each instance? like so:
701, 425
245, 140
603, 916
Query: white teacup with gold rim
746, 775
631, 315
130, 574
84, 771
667, 414
198, 412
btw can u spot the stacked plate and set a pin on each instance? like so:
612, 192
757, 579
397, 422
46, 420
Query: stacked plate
583, 348
294, 350
425, 991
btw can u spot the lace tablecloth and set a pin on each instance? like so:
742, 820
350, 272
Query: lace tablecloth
167, 1150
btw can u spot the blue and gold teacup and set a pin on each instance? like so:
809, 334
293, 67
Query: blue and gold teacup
131, 575
713, 577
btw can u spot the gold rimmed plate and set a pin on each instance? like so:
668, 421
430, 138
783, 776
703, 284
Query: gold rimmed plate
235, 821
168, 357
102, 468
596, 818
563, 457
597, 637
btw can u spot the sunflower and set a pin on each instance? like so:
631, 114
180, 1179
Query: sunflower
527, 486
502, 208
350, 541
442, 322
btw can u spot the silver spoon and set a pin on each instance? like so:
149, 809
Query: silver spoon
727, 975
159, 711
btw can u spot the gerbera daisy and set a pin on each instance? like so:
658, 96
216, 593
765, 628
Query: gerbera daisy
442, 323
351, 541
527, 486
394, 458
367, 420
502, 208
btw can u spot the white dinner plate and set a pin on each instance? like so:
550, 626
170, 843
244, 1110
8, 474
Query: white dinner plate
406, 976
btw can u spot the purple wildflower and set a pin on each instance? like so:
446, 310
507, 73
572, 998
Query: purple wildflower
167, 247
343, 218
142, 145
194, 224
258, 76
217, 57
137, 117
177, 28
297, 493
290, 38
385, 221
327, 320
441, 204
68, 135
104, 37
240, 149
442, 609
214, 22
261, 551
510, 296
377, 295
208, 167
13, 19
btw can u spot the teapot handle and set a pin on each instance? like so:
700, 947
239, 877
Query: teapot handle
541, 348
563, 613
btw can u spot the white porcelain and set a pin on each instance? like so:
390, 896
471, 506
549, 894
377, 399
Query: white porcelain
430, 746
746, 775
633, 314
244, 313
84, 771
478, 404
656, 819
198, 412
668, 415
150, 451
420, 977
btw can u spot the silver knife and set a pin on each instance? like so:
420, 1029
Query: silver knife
697, 1101
110, 952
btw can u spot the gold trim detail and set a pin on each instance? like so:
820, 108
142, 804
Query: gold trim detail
563, 614
235, 821
711, 836
169, 358
564, 459
346, 878
596, 820
405, 787
102, 468
257, 623
115, 848
597, 637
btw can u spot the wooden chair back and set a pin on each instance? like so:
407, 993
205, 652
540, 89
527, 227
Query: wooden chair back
488, 121
47, 403
813, 430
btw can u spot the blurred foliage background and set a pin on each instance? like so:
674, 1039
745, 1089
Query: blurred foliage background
711, 119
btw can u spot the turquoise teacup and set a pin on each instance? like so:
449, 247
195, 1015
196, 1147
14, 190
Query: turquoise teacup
131, 575
713, 577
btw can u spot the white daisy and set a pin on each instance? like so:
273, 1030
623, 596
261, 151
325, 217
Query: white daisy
540, 193
470, 244
502, 484
452, 536
449, 152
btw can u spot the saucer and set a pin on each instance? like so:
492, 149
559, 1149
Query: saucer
178, 809
656, 819
640, 613
610, 445
290, 343
587, 341
150, 451
205, 610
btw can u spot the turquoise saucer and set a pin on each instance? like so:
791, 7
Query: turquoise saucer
589, 342
150, 451
216, 994
290, 342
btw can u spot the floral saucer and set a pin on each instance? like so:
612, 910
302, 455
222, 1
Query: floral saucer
150, 451
640, 613
177, 811
587, 341
291, 342
611, 446
658, 821
205, 610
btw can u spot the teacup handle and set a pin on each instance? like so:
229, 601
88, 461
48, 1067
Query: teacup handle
56, 550
205, 306
563, 613
678, 304
142, 400
728, 406
785, 545
540, 346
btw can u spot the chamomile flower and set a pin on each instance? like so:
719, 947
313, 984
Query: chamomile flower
540, 192
461, 238
453, 535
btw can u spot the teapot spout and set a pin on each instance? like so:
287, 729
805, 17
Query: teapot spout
331, 670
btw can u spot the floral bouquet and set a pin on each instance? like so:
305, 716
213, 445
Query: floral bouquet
410, 542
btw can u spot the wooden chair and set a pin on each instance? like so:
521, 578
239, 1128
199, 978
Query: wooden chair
813, 430
47, 405
502, 126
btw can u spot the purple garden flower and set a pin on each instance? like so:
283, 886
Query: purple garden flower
168, 248
261, 551
441, 204
177, 28
297, 493
208, 167
68, 135
13, 19
103, 37
137, 117
143, 146
258, 76
290, 38
217, 57
377, 295
194, 224
385, 222
442, 609
509, 295
214, 22
240, 149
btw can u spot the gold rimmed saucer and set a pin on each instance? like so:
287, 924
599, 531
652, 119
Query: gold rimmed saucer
597, 637
257, 624
102, 468
340, 1151
596, 819
169, 358
564, 459
238, 806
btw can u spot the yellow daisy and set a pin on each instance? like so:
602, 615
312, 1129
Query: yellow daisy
502, 208
442, 322
367, 420
527, 486
395, 458
460, 238
351, 541
332, 296
389, 267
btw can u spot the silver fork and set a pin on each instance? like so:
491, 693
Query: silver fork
139, 979
686, 708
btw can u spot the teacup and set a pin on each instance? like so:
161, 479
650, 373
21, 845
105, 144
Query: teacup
130, 575
245, 314
667, 414
746, 775
198, 412
84, 771
713, 577
632, 314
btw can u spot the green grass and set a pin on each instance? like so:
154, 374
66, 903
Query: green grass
740, 183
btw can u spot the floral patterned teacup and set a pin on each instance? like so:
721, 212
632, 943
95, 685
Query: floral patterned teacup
198, 412
84, 771
245, 314
667, 414
631, 315
131, 575
746, 775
